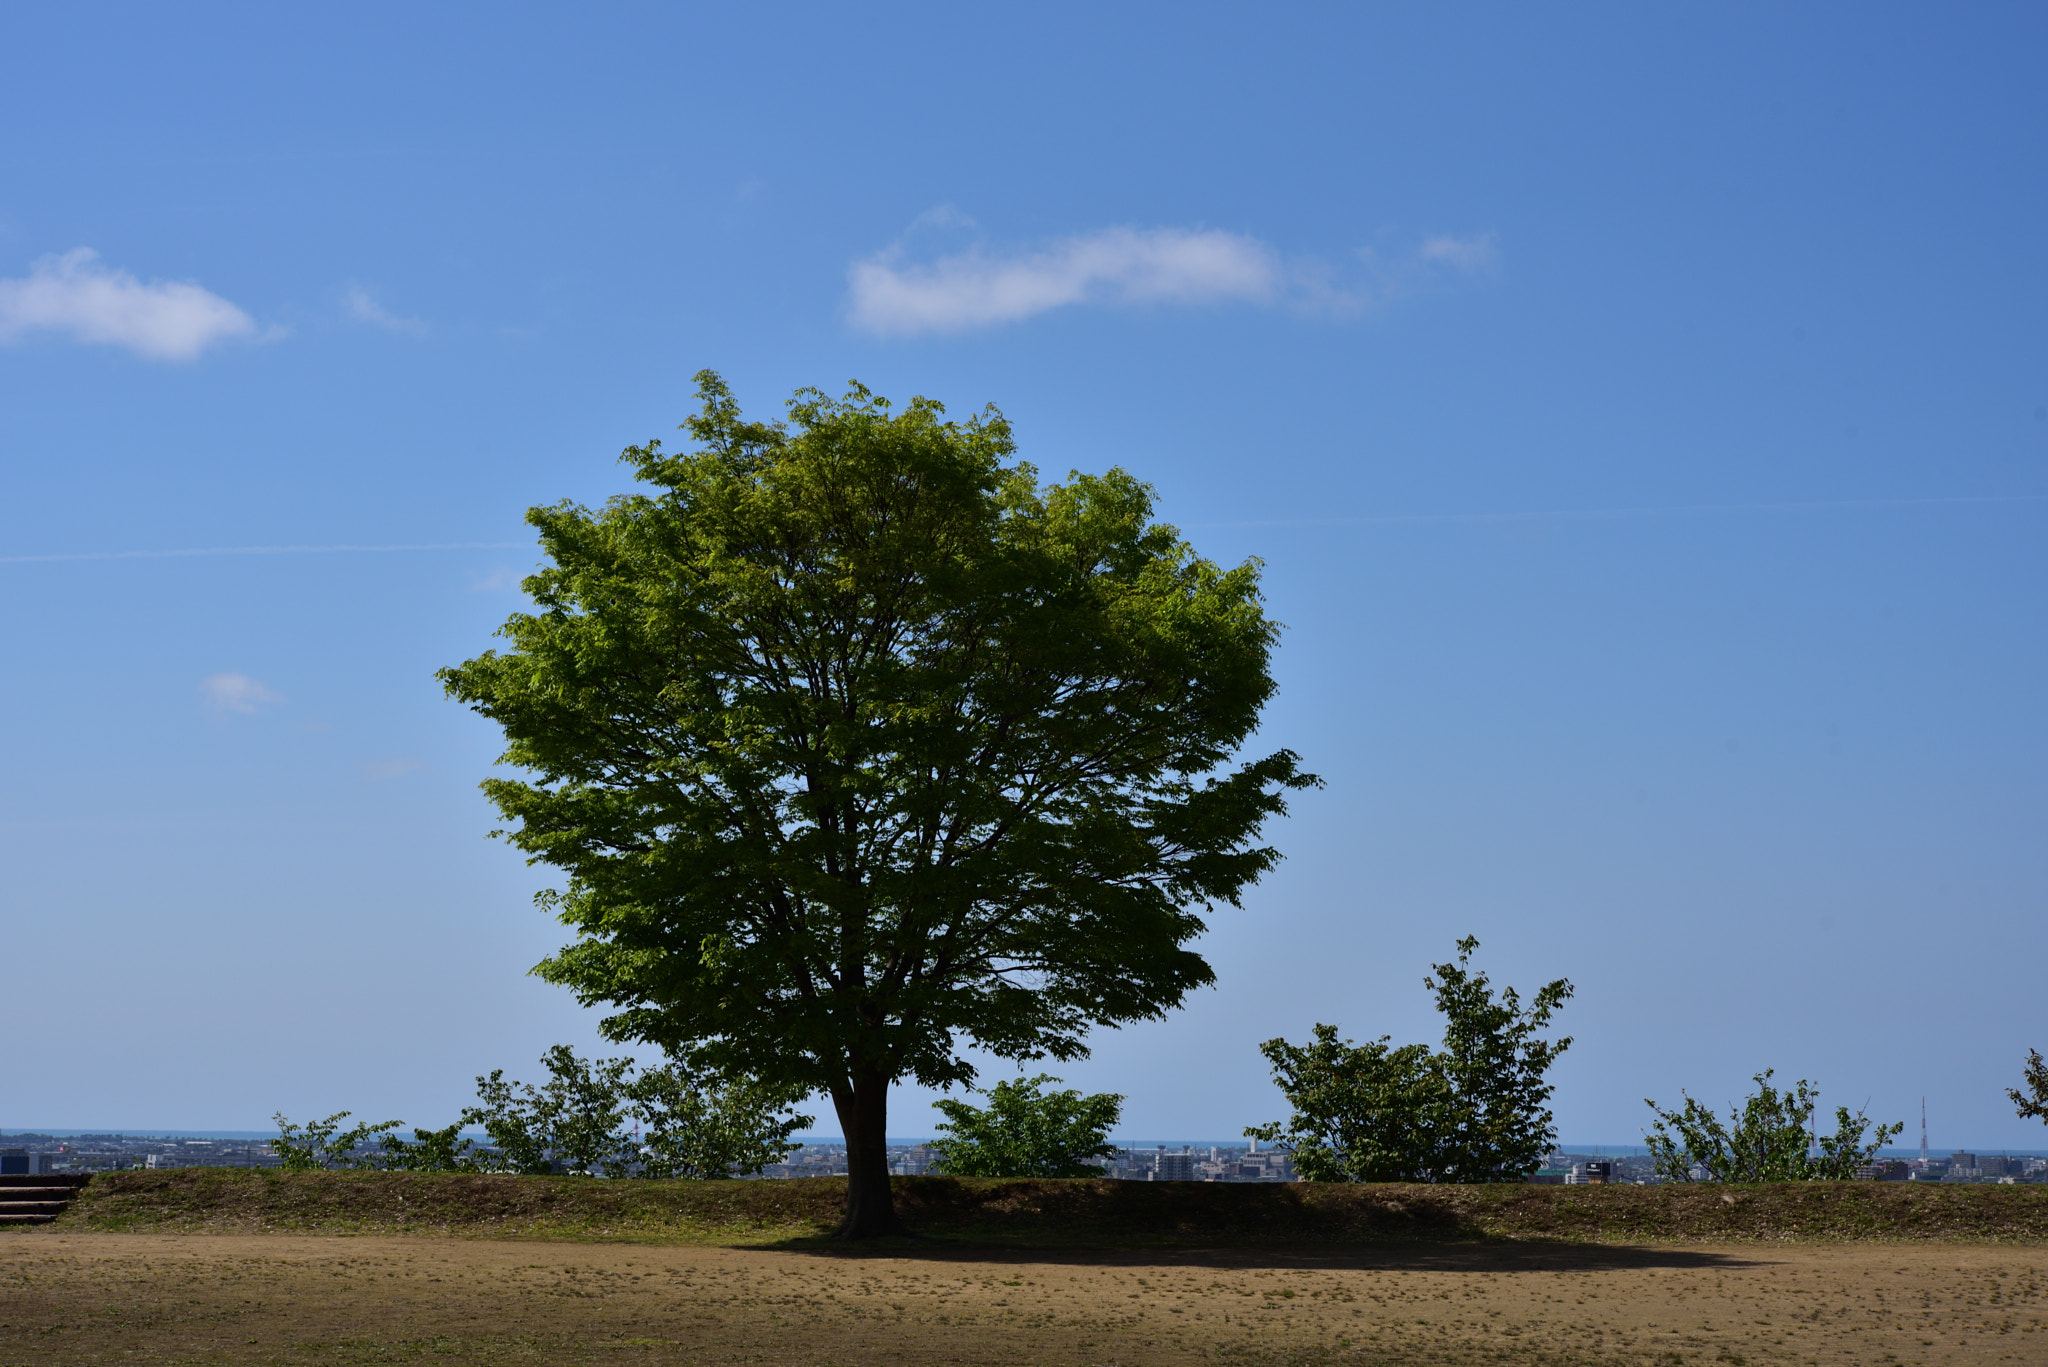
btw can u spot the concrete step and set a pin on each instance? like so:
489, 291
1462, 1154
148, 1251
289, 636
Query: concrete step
37, 1200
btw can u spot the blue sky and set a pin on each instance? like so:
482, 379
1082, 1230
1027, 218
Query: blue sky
1642, 414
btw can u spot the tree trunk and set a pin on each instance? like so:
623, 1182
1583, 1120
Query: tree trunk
863, 1106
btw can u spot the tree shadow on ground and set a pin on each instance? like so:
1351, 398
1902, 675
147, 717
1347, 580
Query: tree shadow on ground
1491, 1257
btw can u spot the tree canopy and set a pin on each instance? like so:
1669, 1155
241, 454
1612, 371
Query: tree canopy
855, 744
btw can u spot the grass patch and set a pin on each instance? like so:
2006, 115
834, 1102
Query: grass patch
229, 1200
1080, 1213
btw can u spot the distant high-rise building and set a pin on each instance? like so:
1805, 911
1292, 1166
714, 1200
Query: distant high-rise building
1174, 1167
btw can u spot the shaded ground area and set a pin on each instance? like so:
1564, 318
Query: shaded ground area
78, 1298
1082, 1213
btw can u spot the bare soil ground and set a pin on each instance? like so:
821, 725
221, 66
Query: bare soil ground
74, 1296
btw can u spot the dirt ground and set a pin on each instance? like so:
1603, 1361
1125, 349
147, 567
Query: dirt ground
77, 1298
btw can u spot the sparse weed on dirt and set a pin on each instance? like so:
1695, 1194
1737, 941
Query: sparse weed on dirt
280, 1300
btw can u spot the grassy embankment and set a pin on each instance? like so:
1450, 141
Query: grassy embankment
1051, 1214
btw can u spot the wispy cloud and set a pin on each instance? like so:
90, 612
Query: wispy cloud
1115, 266
379, 770
237, 693
1469, 254
890, 296
74, 294
364, 309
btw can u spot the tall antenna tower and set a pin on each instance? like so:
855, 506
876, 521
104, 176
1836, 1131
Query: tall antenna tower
1923, 1131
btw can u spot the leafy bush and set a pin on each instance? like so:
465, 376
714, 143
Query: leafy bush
572, 1123
575, 1123
1025, 1132
1769, 1139
442, 1150
1362, 1113
2036, 1104
1474, 1111
323, 1144
697, 1127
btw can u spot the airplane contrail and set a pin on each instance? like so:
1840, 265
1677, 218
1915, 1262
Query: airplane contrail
1647, 510
260, 550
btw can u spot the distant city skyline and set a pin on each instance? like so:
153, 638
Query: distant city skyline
257, 1136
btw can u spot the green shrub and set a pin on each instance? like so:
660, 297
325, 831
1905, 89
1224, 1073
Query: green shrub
1026, 1132
1768, 1139
1474, 1111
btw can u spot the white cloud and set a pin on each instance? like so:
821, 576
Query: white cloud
365, 309
75, 294
1116, 265
378, 770
979, 288
1468, 254
237, 693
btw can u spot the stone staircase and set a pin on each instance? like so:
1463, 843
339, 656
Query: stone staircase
37, 1200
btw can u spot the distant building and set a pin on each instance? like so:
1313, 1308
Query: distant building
914, 1161
1173, 1167
1589, 1174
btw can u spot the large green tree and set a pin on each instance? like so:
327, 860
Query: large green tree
857, 745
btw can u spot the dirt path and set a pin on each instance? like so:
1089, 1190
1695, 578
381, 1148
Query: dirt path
86, 1298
